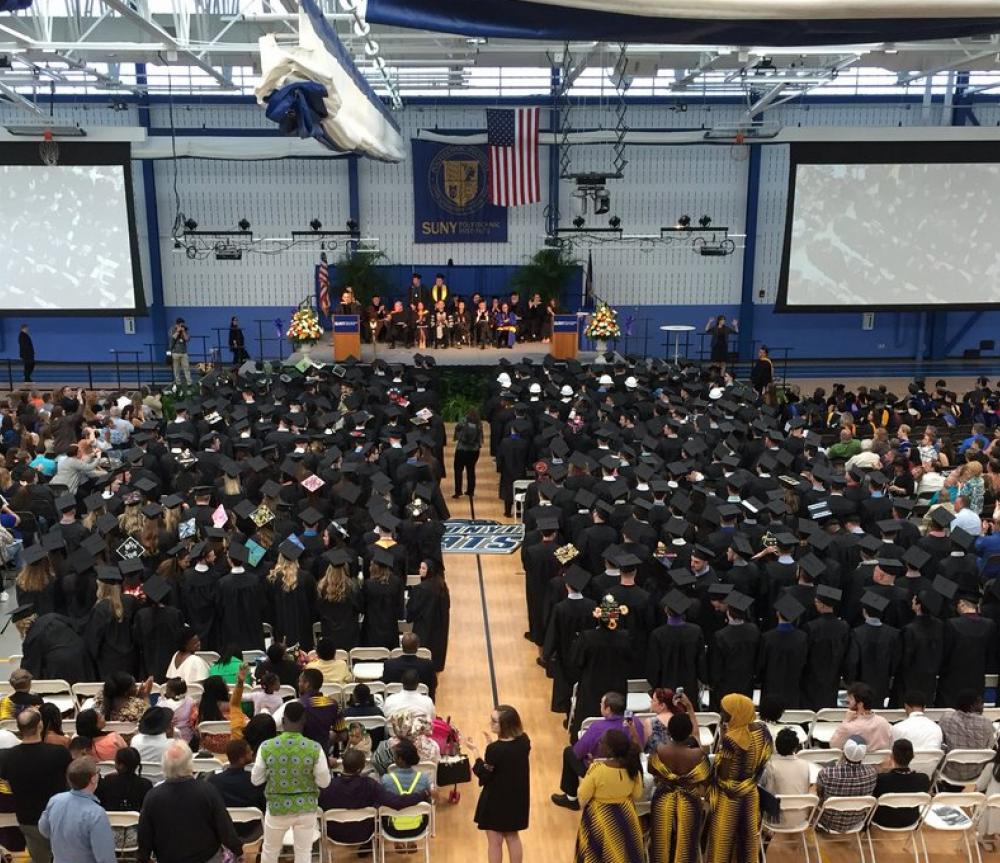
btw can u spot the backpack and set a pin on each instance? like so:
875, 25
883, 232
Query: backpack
405, 822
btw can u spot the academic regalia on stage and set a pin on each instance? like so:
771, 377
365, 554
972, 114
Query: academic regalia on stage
732, 660
240, 611
970, 653
828, 640
922, 652
429, 610
873, 658
601, 657
780, 664
52, 650
570, 617
110, 642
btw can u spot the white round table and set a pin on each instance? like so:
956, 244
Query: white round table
677, 329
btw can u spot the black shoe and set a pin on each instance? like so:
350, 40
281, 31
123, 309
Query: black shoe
565, 802
508, 514
527, 636
456, 496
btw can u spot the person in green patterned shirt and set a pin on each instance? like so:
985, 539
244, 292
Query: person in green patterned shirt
292, 769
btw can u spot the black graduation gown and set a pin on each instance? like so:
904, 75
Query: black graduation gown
540, 567
874, 658
512, 461
920, 658
676, 657
600, 657
240, 611
340, 619
569, 618
970, 645
780, 664
44, 600
828, 640
199, 601
110, 642
732, 660
429, 610
383, 611
638, 623
156, 631
79, 592
294, 611
53, 650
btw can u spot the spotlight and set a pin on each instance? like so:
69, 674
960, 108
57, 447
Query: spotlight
191, 224
705, 221
615, 222
352, 226
315, 224
684, 221
602, 202
177, 245
243, 224
578, 222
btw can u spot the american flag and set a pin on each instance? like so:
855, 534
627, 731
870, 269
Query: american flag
324, 285
512, 137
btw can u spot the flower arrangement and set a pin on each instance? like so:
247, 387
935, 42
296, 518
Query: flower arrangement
603, 324
609, 612
304, 326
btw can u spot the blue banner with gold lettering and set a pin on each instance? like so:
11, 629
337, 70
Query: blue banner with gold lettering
449, 196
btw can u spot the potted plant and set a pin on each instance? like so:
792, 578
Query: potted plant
304, 328
363, 271
547, 273
603, 326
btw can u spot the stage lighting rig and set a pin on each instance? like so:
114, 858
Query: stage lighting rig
684, 221
315, 224
244, 225
705, 221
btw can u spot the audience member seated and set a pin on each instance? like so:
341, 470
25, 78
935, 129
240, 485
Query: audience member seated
771, 710
234, 785
323, 715
21, 697
52, 727
989, 784
392, 670
218, 704
577, 758
362, 704
786, 773
352, 790
267, 699
966, 728
184, 663
122, 699
403, 779
262, 727
104, 744
153, 737
848, 778
921, 731
663, 707
183, 818
124, 791
409, 698
227, 666
185, 712
279, 662
406, 725
861, 721
899, 779
324, 659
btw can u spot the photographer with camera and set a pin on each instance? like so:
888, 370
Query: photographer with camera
178, 351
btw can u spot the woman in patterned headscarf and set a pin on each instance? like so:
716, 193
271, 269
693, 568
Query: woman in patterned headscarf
743, 752
406, 725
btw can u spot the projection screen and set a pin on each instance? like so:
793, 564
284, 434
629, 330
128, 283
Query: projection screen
891, 226
70, 240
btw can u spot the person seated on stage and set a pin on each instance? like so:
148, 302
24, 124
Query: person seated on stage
421, 324
375, 321
442, 326
505, 326
398, 322
461, 324
481, 326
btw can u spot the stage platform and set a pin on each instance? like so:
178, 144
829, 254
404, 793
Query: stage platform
443, 357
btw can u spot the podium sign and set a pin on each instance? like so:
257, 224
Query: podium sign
565, 338
346, 337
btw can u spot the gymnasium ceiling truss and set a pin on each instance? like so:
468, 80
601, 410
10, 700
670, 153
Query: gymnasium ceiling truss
211, 46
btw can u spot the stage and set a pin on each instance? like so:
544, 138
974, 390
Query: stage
444, 357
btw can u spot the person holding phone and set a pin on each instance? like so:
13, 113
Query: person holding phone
178, 350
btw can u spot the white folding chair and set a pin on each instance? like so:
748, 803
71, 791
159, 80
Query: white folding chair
859, 807
106, 768
342, 655
826, 723
917, 803
393, 688
201, 766
403, 627
370, 723
349, 816
376, 687
333, 690
935, 714
422, 809
956, 813
413, 580
590, 720
974, 759
317, 629
428, 769
927, 761
57, 692
520, 489
83, 691
195, 691
367, 662
210, 656
797, 812
253, 656
124, 820
215, 727
422, 653
891, 715
151, 770
876, 756
637, 699
708, 726
125, 729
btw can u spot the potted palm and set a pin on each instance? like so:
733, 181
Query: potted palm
547, 273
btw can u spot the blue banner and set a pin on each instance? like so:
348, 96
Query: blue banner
449, 196
345, 324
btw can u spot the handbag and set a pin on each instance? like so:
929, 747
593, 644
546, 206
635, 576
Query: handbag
769, 804
453, 770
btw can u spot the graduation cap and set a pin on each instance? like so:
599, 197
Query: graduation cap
888, 526
945, 586
152, 510
156, 588
383, 557
789, 607
310, 516
94, 544
869, 544
739, 601
682, 577
145, 485
828, 595
622, 559
903, 504
93, 502
941, 517
65, 502
583, 462
891, 565
548, 524
741, 545
132, 566
339, 557
812, 565
109, 575
703, 552
172, 501
291, 550
245, 509
381, 483
719, 590
22, 612
577, 578
312, 483
131, 548
238, 551
386, 521
874, 602
784, 539
677, 602
931, 601
916, 557
186, 529
962, 538
33, 554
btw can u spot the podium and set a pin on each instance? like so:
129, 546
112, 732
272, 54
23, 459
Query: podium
346, 337
565, 337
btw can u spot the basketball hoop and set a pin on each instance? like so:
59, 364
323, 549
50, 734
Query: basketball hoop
739, 151
48, 150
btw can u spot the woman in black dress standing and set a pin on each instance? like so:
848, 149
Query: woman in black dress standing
504, 774
720, 332
237, 342
429, 610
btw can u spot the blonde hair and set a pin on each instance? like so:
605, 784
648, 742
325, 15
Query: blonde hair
132, 520
288, 571
333, 586
379, 573
974, 468
171, 518
149, 536
35, 576
231, 485
113, 594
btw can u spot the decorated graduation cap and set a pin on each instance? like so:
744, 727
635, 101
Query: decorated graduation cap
23, 612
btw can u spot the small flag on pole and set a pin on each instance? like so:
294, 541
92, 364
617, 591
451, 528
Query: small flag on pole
588, 282
512, 139
324, 285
